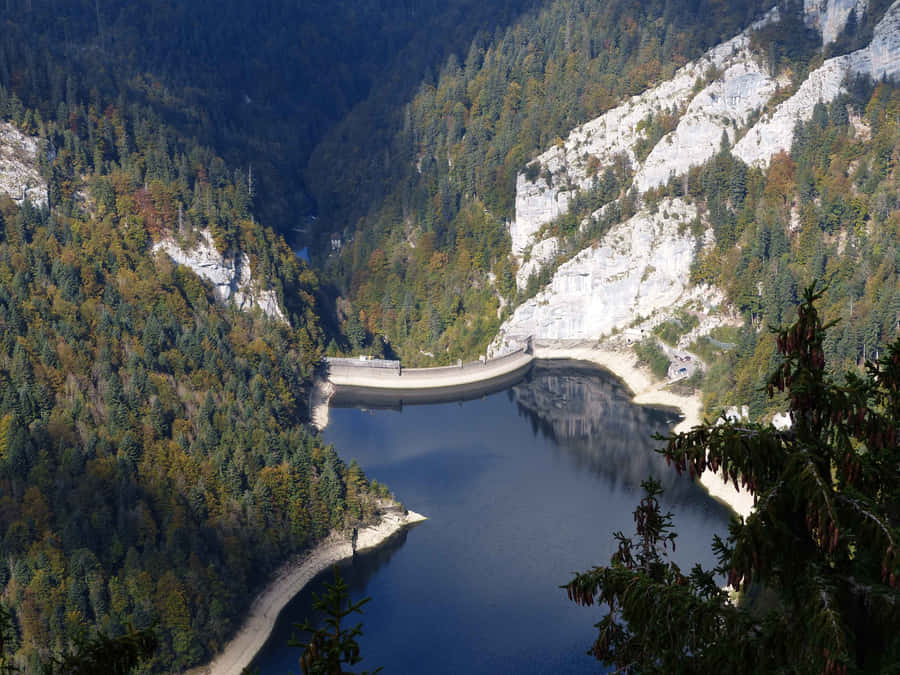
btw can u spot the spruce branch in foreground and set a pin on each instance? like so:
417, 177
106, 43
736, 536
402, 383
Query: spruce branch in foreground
822, 540
330, 647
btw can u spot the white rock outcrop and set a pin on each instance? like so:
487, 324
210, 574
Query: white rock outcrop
536, 204
605, 288
775, 133
543, 252
231, 278
739, 87
829, 17
721, 107
19, 174
642, 266
882, 57
782, 421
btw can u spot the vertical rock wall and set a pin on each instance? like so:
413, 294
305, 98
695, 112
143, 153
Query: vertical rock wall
829, 17
641, 267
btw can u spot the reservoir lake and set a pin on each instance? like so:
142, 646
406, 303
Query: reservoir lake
521, 489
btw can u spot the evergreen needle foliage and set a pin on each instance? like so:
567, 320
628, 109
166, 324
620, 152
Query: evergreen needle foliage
822, 539
97, 655
104, 655
333, 645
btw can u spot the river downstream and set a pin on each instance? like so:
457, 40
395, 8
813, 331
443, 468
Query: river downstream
521, 488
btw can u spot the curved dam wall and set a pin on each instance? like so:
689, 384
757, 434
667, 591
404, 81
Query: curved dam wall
388, 382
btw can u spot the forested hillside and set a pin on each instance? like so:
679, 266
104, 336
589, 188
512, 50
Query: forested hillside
154, 461
429, 258
827, 211
763, 222
431, 265
261, 82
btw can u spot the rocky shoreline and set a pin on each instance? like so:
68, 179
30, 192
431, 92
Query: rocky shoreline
623, 364
290, 579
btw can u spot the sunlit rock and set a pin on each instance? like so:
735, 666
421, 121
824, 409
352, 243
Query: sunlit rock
19, 174
829, 17
641, 266
775, 133
722, 107
542, 253
231, 277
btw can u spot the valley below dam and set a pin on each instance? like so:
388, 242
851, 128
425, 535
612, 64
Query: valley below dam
521, 489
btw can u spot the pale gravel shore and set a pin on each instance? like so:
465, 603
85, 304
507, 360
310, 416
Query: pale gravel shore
289, 580
647, 391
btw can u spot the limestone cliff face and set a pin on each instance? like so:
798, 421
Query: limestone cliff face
231, 278
774, 133
739, 86
715, 96
829, 17
882, 57
19, 175
641, 267
722, 107
542, 253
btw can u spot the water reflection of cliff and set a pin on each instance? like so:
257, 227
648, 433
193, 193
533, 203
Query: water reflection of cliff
588, 412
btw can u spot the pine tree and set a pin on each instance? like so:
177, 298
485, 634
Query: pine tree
330, 647
822, 540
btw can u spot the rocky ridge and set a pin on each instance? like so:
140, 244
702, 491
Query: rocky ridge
737, 88
231, 277
741, 87
775, 133
720, 108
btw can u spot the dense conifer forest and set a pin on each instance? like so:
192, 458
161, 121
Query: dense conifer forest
153, 458
154, 461
260, 82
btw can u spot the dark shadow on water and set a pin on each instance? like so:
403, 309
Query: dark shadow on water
356, 571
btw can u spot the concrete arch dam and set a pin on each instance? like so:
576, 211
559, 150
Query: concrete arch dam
386, 383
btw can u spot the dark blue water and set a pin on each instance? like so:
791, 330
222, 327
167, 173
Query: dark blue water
521, 489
